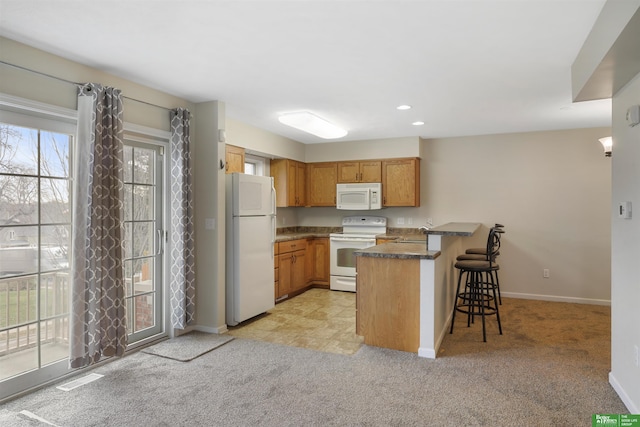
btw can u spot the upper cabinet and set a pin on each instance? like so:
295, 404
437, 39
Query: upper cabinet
362, 171
322, 180
401, 182
314, 184
234, 159
289, 180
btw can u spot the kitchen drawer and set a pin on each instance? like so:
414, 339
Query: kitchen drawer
292, 245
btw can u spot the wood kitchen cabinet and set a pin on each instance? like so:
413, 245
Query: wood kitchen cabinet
322, 180
290, 182
380, 241
388, 302
401, 182
291, 266
234, 159
319, 260
362, 171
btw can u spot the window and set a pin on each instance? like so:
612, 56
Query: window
250, 168
255, 165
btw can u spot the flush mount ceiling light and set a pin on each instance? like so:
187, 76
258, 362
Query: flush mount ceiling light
418, 123
403, 107
607, 144
312, 124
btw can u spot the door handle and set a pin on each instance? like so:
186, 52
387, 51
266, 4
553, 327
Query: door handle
160, 242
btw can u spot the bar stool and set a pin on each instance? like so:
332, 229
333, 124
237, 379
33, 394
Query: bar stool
479, 296
479, 254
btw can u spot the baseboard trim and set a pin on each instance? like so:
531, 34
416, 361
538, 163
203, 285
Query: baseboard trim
427, 353
555, 298
633, 409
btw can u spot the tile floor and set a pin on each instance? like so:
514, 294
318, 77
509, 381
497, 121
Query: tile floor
318, 319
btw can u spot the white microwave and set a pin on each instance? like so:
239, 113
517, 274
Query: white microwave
359, 196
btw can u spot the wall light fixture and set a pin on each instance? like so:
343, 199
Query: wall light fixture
607, 144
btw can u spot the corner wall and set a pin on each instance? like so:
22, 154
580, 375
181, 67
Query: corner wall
551, 190
625, 254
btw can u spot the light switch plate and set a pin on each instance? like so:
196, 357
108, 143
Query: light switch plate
633, 115
624, 210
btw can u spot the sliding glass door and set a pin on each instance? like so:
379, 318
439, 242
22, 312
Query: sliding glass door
145, 239
35, 242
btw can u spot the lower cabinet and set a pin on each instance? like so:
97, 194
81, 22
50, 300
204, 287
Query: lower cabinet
291, 266
319, 270
300, 264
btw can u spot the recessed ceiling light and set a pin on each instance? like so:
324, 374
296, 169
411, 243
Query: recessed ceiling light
310, 123
403, 107
418, 123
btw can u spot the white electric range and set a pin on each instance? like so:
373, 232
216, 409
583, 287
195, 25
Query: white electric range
358, 232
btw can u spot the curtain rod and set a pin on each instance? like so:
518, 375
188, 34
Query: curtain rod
77, 84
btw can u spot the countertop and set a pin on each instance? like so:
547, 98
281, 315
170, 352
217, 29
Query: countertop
295, 233
455, 229
399, 251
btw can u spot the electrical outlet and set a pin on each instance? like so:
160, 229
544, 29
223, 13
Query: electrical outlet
429, 222
400, 221
635, 356
545, 273
283, 220
410, 221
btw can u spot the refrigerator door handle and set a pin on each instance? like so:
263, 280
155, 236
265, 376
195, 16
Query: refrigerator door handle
273, 200
273, 235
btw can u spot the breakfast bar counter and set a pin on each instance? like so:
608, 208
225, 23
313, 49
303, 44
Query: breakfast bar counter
405, 291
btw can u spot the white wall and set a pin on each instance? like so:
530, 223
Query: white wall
551, 190
209, 197
625, 254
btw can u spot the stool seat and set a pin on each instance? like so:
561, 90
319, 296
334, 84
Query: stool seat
476, 265
478, 251
471, 257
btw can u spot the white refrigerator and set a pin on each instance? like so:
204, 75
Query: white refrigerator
250, 235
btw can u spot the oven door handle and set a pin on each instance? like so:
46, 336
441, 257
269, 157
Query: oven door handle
351, 239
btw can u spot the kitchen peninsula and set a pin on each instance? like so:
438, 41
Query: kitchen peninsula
405, 291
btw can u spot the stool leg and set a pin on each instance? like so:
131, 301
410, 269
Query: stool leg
481, 295
470, 290
455, 302
495, 303
498, 286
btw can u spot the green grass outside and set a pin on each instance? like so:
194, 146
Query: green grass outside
13, 312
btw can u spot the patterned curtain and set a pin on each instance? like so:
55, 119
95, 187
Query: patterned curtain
182, 260
98, 324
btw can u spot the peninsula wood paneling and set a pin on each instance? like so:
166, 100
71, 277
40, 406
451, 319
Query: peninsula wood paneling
388, 302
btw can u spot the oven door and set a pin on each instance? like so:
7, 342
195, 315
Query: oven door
343, 262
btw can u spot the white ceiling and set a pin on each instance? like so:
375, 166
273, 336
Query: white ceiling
467, 67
